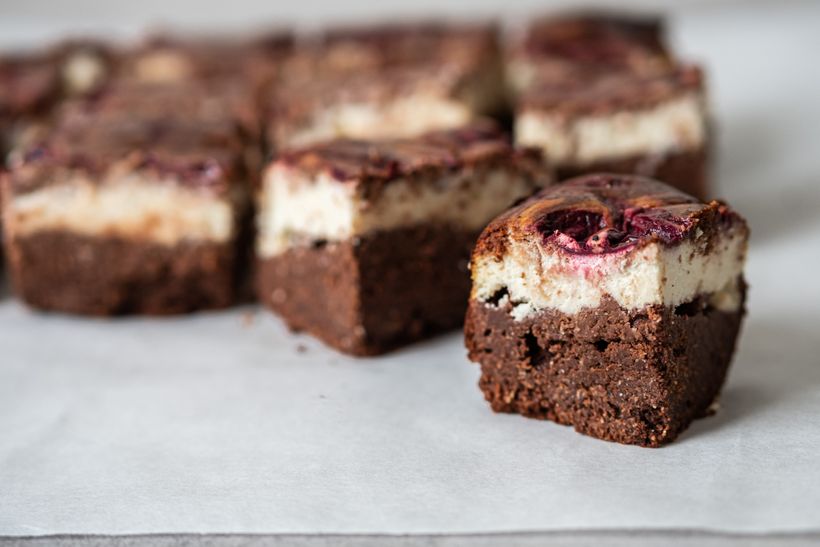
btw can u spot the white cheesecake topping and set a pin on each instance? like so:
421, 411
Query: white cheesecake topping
131, 206
322, 208
533, 277
679, 124
402, 117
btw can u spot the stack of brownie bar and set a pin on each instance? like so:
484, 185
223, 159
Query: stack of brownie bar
604, 94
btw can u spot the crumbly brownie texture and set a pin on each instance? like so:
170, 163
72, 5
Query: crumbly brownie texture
636, 377
419, 79
64, 271
609, 303
365, 244
371, 295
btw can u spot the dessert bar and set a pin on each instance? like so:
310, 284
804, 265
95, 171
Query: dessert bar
127, 211
654, 125
365, 244
386, 82
603, 94
610, 303
564, 47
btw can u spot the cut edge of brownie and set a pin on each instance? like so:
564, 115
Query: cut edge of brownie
136, 264
632, 377
354, 295
628, 293
103, 276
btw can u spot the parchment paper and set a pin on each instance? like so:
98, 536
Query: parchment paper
225, 422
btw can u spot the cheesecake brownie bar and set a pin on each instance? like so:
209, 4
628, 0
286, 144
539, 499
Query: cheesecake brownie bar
561, 47
365, 244
127, 211
386, 82
602, 94
610, 303
654, 125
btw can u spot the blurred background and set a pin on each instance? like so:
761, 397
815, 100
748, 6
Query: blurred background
753, 49
27, 22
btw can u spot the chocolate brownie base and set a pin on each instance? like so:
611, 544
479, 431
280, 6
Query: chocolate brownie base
687, 171
371, 295
632, 377
72, 273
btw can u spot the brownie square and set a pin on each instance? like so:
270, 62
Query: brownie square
603, 94
365, 244
562, 46
128, 209
386, 82
609, 303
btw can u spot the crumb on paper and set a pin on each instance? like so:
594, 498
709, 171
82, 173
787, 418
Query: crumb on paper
248, 318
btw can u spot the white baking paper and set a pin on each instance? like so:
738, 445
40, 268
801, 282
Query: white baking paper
225, 422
